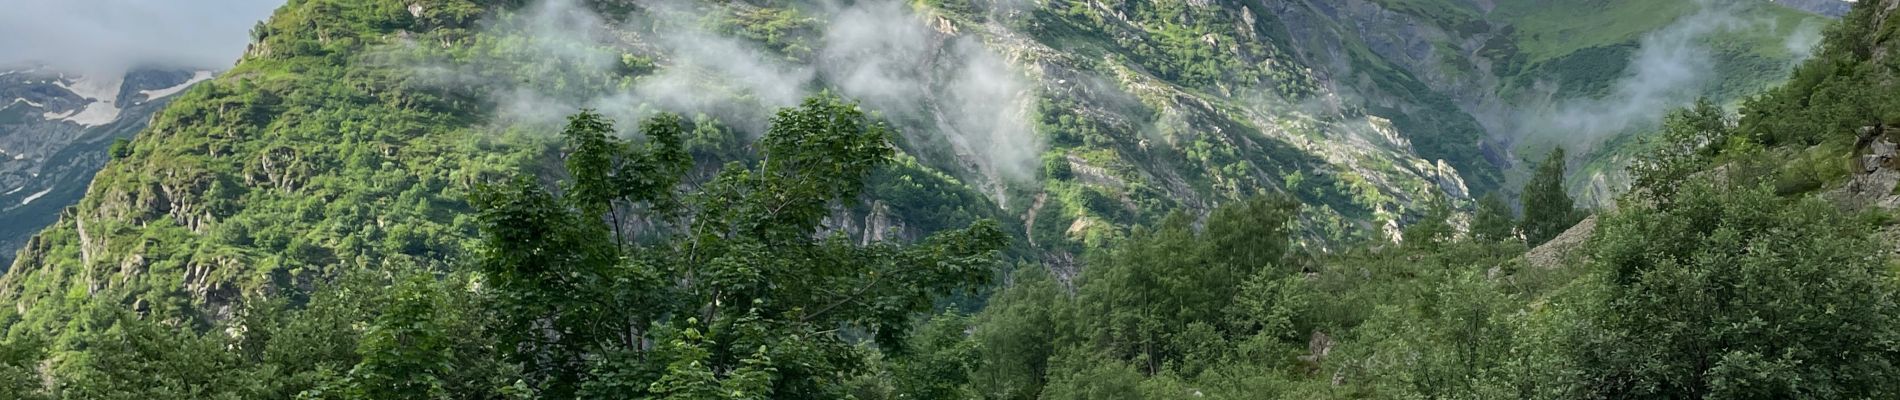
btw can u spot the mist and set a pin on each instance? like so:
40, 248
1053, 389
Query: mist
941, 90
883, 53
1804, 41
115, 35
1670, 69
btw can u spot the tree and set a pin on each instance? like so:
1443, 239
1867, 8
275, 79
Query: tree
1732, 292
1690, 139
1433, 228
1015, 336
19, 379
120, 148
1140, 294
608, 291
1171, 300
426, 341
937, 363
1548, 210
130, 358
1493, 221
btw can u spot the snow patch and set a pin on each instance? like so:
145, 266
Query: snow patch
96, 114
19, 100
103, 92
200, 76
106, 90
36, 196
11, 192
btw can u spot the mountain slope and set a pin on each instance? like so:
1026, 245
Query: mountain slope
317, 155
55, 133
1832, 8
351, 133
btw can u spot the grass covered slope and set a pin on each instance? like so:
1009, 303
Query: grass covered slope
1545, 31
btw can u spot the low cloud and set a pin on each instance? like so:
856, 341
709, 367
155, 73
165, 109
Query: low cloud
1804, 41
941, 89
883, 53
1671, 67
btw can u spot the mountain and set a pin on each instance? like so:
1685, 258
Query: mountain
1831, 8
350, 137
1078, 119
55, 132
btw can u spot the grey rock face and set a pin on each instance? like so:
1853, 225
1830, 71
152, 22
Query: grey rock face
55, 130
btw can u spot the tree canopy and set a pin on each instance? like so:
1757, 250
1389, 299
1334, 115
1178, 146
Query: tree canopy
1548, 209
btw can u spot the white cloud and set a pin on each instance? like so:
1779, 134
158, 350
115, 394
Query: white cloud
111, 35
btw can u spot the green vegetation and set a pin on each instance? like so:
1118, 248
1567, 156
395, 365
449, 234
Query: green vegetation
1182, 43
740, 301
1788, 297
1547, 30
325, 227
1736, 293
1460, 16
571, 298
1833, 97
1780, 296
1585, 46
1493, 220
1548, 210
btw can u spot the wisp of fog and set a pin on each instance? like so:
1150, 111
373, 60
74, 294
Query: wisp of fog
941, 88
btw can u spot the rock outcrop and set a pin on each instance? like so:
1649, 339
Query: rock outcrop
1564, 249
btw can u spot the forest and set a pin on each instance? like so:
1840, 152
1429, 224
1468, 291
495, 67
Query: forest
413, 256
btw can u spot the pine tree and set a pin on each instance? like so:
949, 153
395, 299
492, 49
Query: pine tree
1548, 209
1494, 221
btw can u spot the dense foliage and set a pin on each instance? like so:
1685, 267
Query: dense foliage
739, 301
1736, 293
328, 230
1548, 209
600, 288
1725, 291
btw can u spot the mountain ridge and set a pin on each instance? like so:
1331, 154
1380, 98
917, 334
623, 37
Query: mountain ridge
57, 131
